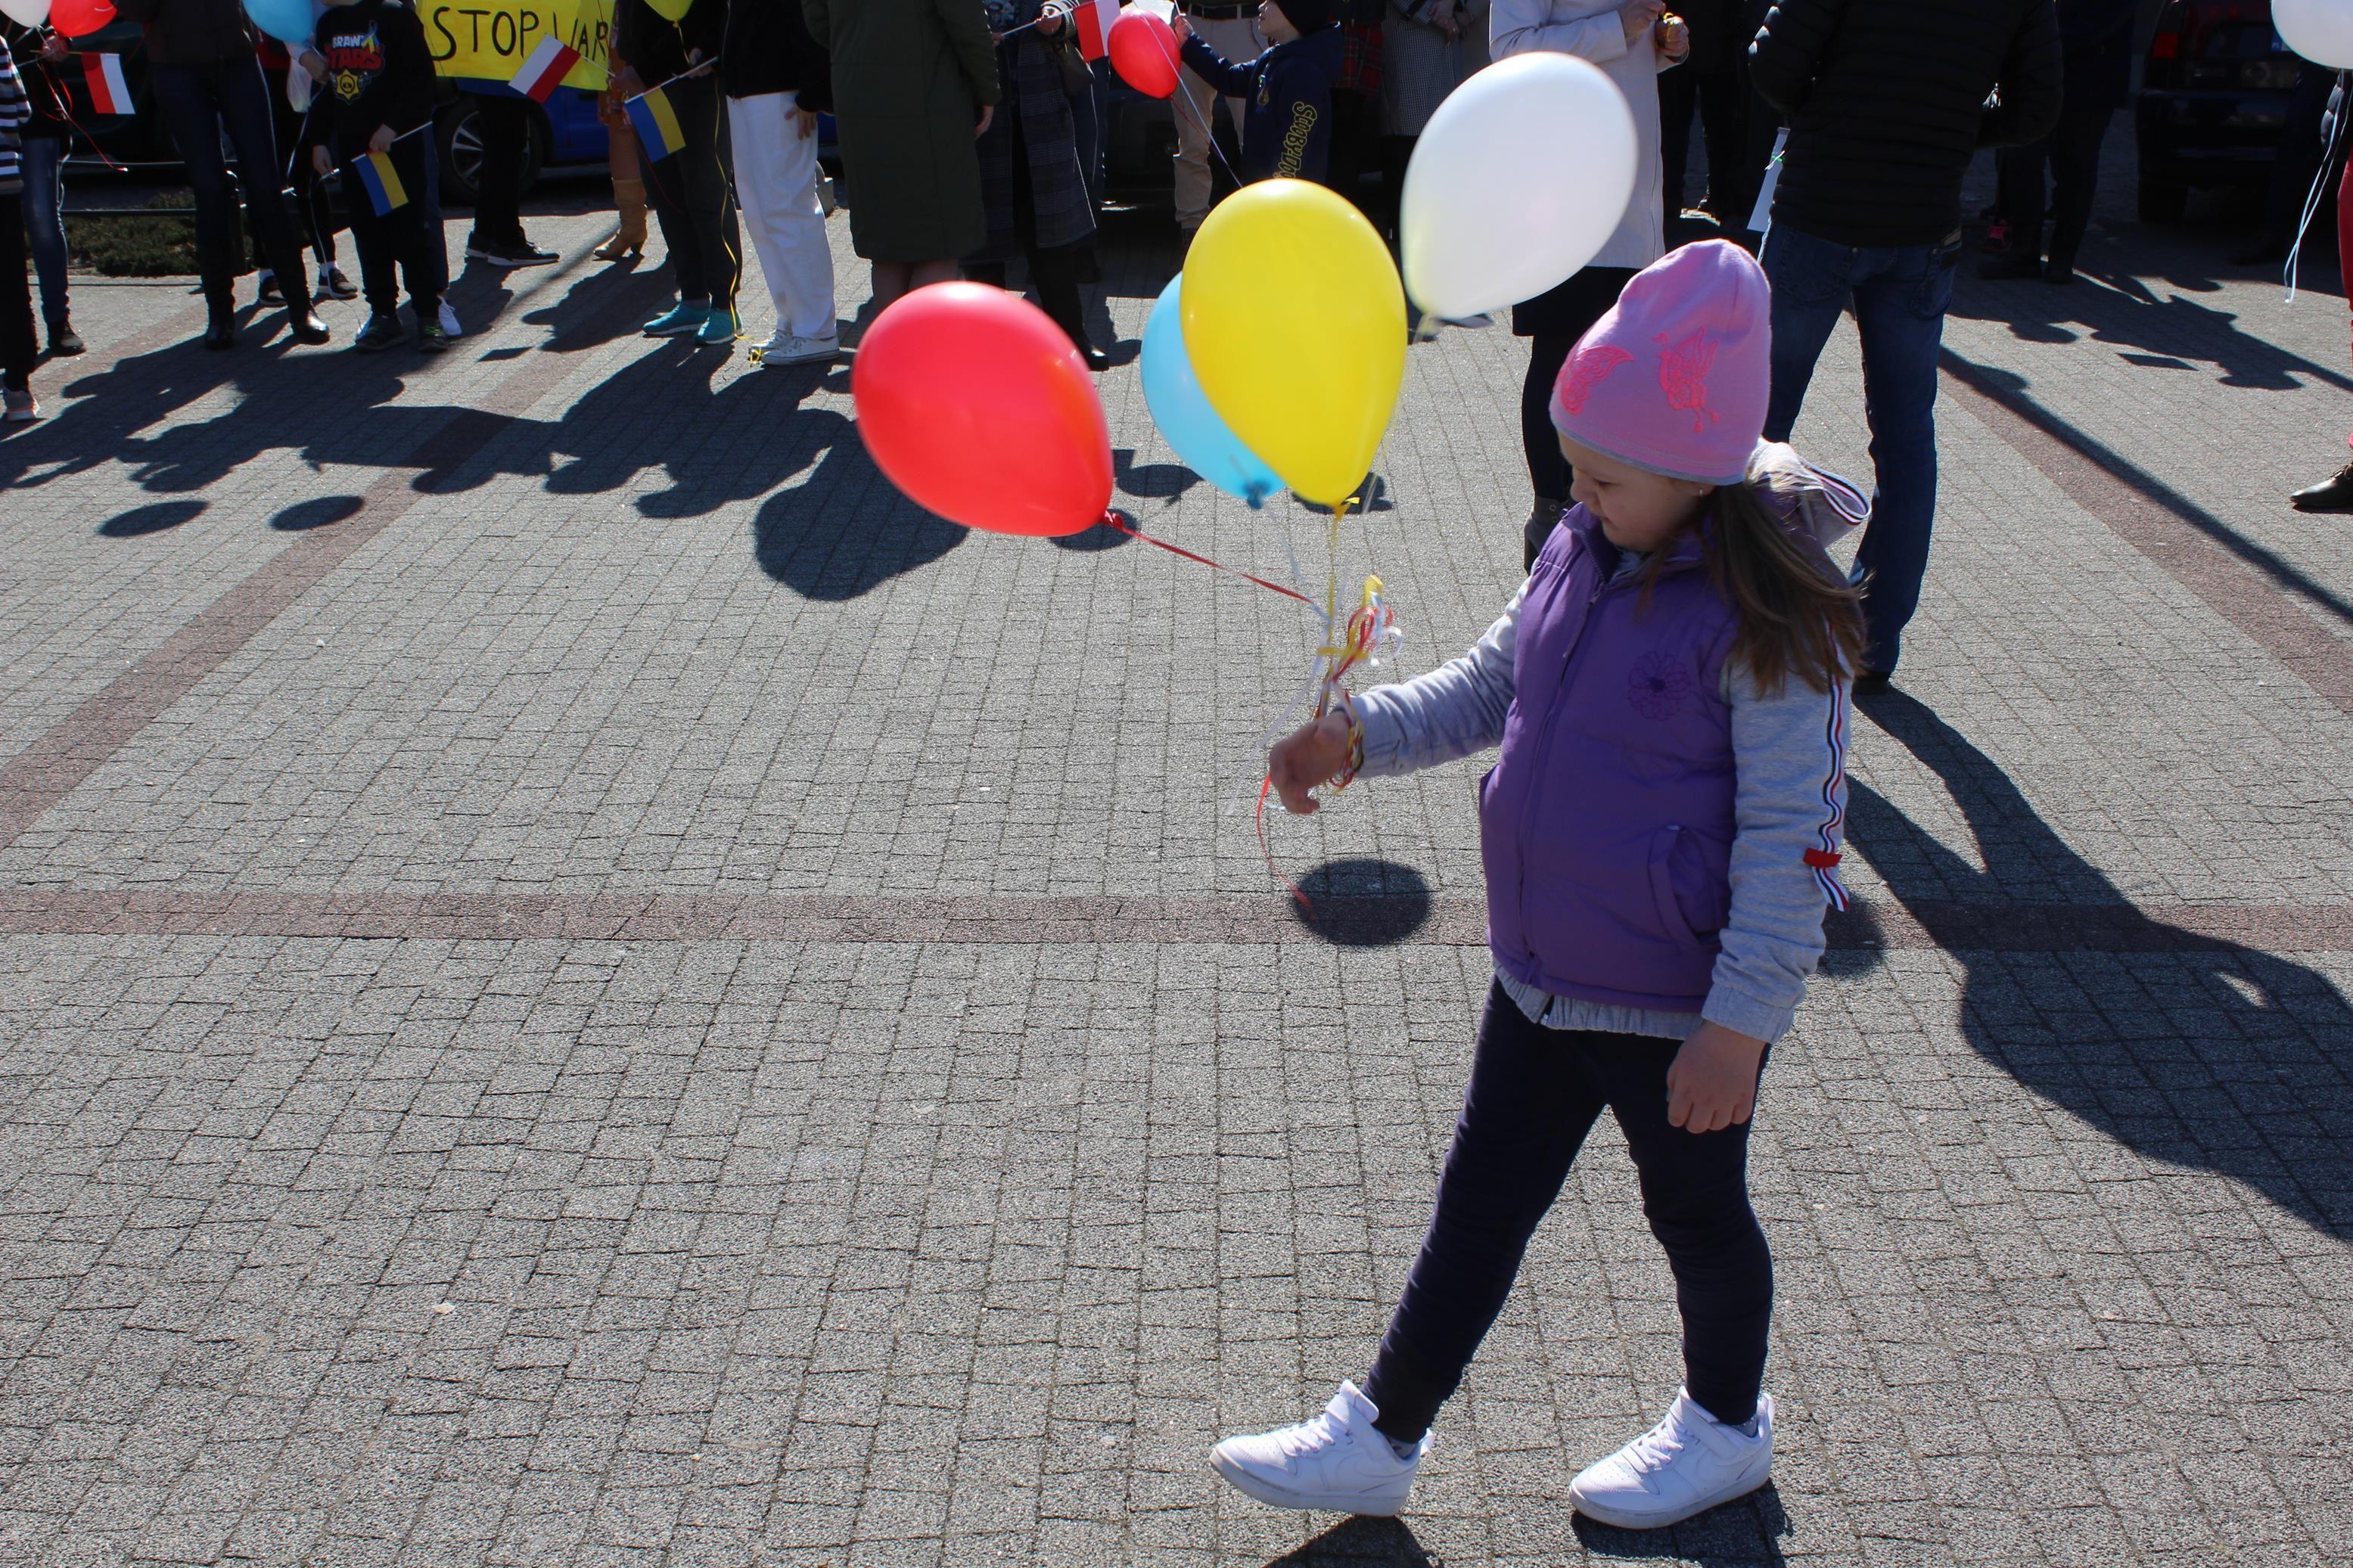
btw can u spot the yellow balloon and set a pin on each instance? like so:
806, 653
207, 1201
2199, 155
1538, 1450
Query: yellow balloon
671, 10
1295, 321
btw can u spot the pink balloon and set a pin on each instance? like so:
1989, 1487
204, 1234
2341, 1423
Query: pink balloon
1144, 52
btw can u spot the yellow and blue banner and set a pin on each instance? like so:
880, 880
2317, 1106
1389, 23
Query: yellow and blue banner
490, 41
656, 124
383, 182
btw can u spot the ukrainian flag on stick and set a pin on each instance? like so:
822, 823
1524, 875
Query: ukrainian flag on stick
383, 182
656, 123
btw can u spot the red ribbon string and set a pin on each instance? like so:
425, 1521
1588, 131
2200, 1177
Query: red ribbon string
1113, 520
1305, 902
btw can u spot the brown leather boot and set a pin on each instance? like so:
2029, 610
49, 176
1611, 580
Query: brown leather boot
629, 239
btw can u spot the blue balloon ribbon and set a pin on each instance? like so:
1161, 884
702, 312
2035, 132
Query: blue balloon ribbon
1182, 409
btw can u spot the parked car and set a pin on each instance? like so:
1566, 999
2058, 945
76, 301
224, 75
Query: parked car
2214, 96
564, 130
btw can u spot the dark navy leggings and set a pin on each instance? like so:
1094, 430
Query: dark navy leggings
1534, 1094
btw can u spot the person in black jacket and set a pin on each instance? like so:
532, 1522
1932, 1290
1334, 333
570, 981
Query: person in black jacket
777, 80
2096, 42
694, 200
375, 76
1886, 101
202, 69
1714, 81
1287, 91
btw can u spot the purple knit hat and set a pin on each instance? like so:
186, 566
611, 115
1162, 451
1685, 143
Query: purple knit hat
1703, 317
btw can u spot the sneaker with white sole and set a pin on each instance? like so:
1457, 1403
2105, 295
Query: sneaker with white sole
448, 319
1687, 1464
22, 406
789, 348
1338, 1462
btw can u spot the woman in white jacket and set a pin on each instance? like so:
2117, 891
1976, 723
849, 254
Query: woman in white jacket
1632, 42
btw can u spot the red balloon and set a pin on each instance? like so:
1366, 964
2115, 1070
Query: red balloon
75, 19
1144, 52
975, 403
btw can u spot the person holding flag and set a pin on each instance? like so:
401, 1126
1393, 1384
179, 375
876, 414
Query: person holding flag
377, 71
673, 103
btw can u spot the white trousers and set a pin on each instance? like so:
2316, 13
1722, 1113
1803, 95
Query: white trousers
776, 184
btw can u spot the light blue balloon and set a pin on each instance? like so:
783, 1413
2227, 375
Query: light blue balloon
1183, 412
288, 21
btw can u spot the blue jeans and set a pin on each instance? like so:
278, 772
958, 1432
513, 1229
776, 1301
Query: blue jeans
45, 221
197, 103
1901, 294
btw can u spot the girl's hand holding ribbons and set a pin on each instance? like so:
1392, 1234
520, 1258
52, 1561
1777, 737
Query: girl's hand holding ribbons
1314, 753
1638, 17
1712, 1083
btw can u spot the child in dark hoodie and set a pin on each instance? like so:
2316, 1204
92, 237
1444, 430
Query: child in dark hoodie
1287, 91
375, 70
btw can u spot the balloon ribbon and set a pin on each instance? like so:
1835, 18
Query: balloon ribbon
1113, 520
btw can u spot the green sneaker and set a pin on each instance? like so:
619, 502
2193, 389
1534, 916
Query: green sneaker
430, 338
720, 327
382, 332
686, 316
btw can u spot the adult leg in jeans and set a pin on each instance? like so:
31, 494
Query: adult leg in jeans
1900, 307
45, 230
1532, 1099
1811, 279
243, 97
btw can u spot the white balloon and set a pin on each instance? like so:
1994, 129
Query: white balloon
1521, 176
2319, 30
26, 13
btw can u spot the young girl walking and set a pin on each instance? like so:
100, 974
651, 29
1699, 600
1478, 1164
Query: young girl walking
1661, 834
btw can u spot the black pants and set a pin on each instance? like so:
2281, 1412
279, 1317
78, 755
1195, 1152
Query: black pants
196, 102
394, 247
505, 121
1534, 1094
693, 201
1554, 321
1053, 268
2073, 152
1721, 97
18, 347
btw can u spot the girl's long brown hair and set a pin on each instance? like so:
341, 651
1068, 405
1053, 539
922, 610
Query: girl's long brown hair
1797, 616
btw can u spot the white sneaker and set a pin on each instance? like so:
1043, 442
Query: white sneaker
1685, 1464
1337, 1462
449, 326
787, 348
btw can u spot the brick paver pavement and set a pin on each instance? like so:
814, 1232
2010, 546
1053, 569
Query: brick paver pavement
580, 984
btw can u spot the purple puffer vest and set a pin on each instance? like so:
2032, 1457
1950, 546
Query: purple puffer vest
1607, 824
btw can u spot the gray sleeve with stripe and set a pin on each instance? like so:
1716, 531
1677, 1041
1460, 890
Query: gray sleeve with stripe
1789, 752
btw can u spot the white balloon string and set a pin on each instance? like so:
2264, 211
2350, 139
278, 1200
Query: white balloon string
2332, 137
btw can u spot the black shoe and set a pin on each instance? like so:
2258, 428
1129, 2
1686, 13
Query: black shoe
2332, 494
307, 327
383, 330
64, 341
2008, 265
221, 333
2059, 269
515, 252
1097, 361
269, 293
1873, 683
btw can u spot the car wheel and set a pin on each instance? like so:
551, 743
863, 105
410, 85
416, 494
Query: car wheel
2162, 200
458, 130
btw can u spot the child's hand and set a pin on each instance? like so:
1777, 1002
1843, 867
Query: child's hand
322, 162
1310, 755
1637, 17
382, 141
314, 64
1177, 26
1674, 38
1712, 1083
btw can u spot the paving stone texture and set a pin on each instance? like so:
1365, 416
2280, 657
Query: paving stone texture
581, 984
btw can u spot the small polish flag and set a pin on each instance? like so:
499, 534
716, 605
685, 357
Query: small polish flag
109, 93
1094, 18
545, 70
